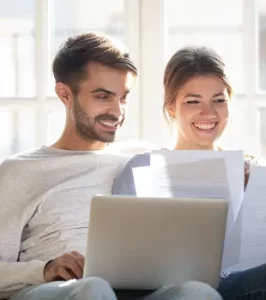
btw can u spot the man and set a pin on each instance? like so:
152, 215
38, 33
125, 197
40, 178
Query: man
45, 193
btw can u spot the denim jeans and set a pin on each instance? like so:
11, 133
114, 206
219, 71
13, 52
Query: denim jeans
245, 285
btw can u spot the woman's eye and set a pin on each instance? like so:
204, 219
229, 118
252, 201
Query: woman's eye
220, 101
193, 102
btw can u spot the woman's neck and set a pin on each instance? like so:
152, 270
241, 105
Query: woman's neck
188, 146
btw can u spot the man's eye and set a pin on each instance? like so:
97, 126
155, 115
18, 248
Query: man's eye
124, 98
102, 97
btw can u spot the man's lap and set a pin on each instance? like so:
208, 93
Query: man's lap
63, 290
249, 284
60, 290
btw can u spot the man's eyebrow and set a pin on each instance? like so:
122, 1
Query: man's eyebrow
102, 90
126, 92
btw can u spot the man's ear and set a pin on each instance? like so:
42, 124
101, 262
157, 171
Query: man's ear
65, 94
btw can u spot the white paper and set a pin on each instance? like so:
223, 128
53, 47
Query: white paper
253, 221
142, 181
234, 161
193, 179
199, 174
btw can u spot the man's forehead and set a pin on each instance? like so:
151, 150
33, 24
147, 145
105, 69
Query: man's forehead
102, 71
100, 76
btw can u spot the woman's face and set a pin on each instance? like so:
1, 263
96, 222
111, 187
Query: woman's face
201, 112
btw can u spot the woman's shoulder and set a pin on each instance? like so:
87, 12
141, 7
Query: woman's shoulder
124, 181
139, 160
250, 162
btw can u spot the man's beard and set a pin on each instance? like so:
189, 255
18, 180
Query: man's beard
86, 126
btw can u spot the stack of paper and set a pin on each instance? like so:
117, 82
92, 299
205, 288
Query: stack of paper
252, 219
198, 174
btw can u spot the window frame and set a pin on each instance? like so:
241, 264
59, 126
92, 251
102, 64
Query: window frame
146, 39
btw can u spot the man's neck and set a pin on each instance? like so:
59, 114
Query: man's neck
78, 144
70, 140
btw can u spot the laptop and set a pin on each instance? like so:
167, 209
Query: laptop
147, 243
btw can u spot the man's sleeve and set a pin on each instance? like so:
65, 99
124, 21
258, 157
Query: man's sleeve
13, 217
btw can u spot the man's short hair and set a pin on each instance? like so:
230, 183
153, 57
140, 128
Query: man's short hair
73, 56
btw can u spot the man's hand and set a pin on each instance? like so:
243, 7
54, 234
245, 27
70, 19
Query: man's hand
66, 267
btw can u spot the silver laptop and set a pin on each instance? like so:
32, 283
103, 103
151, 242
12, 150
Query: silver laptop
147, 243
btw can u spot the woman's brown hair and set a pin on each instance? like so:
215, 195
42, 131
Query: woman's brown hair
187, 63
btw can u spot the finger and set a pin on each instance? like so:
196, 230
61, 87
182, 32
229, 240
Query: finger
64, 274
79, 258
69, 262
77, 254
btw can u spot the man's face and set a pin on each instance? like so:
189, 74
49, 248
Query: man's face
99, 108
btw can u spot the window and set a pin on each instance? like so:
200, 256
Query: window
17, 130
262, 44
262, 114
17, 31
30, 34
230, 28
32, 30
205, 14
218, 25
82, 16
17, 75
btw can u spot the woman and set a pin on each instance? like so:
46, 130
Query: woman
197, 102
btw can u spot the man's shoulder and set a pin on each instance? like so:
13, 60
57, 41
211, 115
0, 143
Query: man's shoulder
20, 160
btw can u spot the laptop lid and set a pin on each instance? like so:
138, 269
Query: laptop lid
147, 243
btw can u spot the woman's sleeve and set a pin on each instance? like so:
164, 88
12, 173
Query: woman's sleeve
124, 181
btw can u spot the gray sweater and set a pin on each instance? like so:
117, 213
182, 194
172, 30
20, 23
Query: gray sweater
45, 199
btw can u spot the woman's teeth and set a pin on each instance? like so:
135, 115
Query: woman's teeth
205, 126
